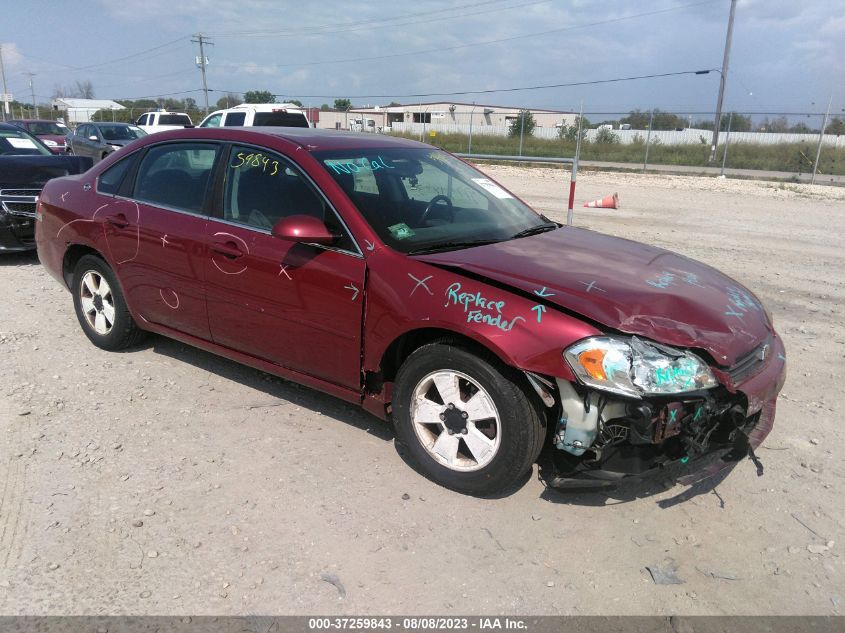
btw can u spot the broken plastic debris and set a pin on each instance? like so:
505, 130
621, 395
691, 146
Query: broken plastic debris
663, 575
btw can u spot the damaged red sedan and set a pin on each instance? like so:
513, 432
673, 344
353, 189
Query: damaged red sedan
398, 277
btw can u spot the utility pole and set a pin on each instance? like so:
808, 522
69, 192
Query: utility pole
722, 78
202, 62
821, 138
32, 90
5, 90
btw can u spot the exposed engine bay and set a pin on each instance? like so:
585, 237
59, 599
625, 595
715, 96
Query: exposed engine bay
602, 439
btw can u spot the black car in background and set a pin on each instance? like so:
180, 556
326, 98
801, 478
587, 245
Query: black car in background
98, 140
26, 164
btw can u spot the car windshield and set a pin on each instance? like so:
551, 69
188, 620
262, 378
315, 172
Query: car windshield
121, 132
19, 142
47, 127
420, 199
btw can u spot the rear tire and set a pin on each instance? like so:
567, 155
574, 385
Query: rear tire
487, 440
100, 306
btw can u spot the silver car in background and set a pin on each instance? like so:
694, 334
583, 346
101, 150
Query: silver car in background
98, 140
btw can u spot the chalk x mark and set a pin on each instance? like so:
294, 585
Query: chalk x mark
165, 241
283, 270
591, 286
421, 282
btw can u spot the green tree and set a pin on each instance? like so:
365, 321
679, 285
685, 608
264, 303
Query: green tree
230, 100
259, 96
801, 128
606, 137
296, 102
325, 107
524, 123
835, 126
739, 122
342, 104
638, 120
570, 132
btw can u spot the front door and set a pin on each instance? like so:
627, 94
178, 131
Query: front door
297, 305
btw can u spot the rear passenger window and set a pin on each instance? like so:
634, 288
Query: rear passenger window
176, 175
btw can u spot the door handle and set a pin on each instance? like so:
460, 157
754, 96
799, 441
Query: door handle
119, 220
227, 249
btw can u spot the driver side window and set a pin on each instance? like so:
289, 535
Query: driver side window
262, 188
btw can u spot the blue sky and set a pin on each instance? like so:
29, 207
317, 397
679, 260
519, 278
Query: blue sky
787, 55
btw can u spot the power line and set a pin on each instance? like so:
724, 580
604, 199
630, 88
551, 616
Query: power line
494, 41
374, 22
494, 90
111, 61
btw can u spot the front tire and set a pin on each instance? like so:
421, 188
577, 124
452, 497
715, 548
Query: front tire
100, 306
466, 419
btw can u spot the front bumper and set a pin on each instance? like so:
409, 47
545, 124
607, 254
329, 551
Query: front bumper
734, 422
16, 233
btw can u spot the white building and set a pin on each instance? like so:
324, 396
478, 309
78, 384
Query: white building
441, 115
81, 110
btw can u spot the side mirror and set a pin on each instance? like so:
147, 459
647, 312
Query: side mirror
303, 228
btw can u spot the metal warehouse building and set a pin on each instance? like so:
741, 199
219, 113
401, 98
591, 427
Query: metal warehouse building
439, 114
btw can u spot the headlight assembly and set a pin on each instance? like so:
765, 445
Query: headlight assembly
635, 368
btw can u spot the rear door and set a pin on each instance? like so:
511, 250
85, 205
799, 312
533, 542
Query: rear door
156, 235
297, 305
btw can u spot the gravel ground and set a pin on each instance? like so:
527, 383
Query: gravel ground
165, 480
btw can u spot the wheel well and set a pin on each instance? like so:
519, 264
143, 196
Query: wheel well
73, 254
408, 343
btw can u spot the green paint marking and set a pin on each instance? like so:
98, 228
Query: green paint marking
684, 460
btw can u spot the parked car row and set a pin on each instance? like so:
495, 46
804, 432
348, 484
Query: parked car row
26, 164
395, 276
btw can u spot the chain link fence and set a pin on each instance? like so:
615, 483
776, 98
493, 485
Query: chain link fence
782, 142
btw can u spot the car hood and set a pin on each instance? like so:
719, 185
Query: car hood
37, 170
626, 286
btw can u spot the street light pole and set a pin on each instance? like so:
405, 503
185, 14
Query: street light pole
722, 78
32, 91
821, 139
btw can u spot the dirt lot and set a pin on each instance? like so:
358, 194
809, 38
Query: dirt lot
166, 480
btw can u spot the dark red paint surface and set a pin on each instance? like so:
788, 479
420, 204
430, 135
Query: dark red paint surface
324, 318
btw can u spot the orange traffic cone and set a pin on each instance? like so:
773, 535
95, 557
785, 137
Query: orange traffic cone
608, 202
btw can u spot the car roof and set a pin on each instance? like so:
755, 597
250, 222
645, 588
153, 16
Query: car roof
310, 139
316, 140
34, 121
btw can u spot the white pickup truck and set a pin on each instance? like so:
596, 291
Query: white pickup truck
258, 114
153, 122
